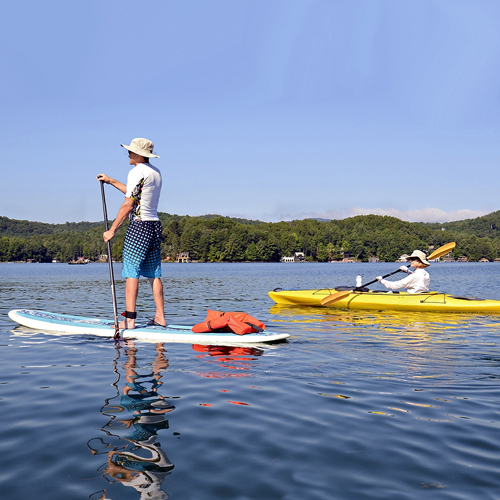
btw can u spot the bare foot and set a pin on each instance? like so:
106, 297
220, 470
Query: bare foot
160, 320
126, 324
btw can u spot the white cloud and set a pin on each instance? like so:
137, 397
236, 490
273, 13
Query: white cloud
428, 214
422, 215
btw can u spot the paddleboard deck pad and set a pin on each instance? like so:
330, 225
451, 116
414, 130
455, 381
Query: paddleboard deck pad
66, 324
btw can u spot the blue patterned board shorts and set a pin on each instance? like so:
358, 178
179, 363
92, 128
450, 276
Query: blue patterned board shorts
142, 249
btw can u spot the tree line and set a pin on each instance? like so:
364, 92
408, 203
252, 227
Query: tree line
222, 239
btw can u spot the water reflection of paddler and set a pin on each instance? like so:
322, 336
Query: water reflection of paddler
145, 466
144, 474
135, 397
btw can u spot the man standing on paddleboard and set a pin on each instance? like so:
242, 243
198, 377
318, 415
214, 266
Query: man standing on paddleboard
141, 250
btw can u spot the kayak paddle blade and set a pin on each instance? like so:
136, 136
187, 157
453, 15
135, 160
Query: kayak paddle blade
335, 297
442, 251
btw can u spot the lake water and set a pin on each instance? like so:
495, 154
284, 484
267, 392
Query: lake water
355, 405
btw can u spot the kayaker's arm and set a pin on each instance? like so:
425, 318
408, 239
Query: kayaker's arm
396, 285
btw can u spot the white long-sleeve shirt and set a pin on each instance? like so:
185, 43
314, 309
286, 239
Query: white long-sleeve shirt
418, 282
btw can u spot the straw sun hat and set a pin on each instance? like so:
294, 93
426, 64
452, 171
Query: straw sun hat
420, 256
142, 147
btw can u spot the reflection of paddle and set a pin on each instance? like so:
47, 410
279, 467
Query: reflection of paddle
110, 261
335, 297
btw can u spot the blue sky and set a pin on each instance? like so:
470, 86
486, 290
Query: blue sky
263, 109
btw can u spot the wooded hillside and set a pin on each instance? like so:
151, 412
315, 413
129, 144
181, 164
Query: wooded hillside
214, 238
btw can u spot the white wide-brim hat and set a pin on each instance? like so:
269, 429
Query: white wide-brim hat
142, 147
420, 256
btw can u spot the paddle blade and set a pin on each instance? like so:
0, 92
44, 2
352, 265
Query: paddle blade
442, 251
335, 297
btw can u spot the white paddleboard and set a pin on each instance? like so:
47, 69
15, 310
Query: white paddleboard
63, 323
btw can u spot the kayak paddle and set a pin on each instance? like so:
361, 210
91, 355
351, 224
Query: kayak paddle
110, 261
442, 251
335, 297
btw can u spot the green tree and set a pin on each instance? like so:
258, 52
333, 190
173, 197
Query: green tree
251, 252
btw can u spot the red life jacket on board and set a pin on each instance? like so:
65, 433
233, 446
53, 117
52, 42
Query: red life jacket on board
235, 322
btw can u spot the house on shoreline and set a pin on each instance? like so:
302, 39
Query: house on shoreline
183, 257
297, 257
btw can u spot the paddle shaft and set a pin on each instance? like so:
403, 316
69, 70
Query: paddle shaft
375, 280
110, 260
335, 297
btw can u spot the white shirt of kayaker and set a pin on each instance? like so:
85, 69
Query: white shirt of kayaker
417, 282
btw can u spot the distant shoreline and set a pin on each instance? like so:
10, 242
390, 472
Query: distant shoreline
259, 262
362, 238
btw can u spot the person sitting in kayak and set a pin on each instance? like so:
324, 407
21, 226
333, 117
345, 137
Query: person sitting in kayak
418, 281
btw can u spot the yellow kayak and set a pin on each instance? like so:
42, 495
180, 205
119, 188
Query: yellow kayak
396, 301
